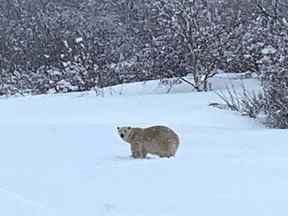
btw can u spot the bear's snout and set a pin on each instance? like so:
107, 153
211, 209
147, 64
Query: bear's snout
122, 135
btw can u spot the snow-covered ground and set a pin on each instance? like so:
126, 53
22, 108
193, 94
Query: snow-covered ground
60, 156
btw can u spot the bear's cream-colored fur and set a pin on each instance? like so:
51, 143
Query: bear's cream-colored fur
157, 140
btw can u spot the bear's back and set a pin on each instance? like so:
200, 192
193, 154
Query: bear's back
160, 132
160, 139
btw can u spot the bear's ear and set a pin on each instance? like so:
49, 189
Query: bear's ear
118, 128
129, 128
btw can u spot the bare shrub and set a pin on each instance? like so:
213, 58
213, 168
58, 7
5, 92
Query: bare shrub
248, 103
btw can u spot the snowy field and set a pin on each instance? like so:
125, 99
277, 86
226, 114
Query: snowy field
60, 156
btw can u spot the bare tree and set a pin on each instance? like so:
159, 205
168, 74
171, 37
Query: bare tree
193, 38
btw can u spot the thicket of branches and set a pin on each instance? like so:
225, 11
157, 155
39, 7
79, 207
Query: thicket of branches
75, 45
266, 52
274, 64
65, 45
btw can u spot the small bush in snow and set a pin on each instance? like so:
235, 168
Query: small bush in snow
246, 102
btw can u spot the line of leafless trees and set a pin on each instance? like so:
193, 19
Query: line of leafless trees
64, 45
75, 45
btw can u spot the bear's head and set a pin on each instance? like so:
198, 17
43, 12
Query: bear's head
124, 132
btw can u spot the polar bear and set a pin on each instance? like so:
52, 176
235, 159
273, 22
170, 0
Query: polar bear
157, 140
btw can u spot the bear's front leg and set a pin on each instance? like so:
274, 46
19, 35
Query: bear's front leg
144, 153
137, 151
